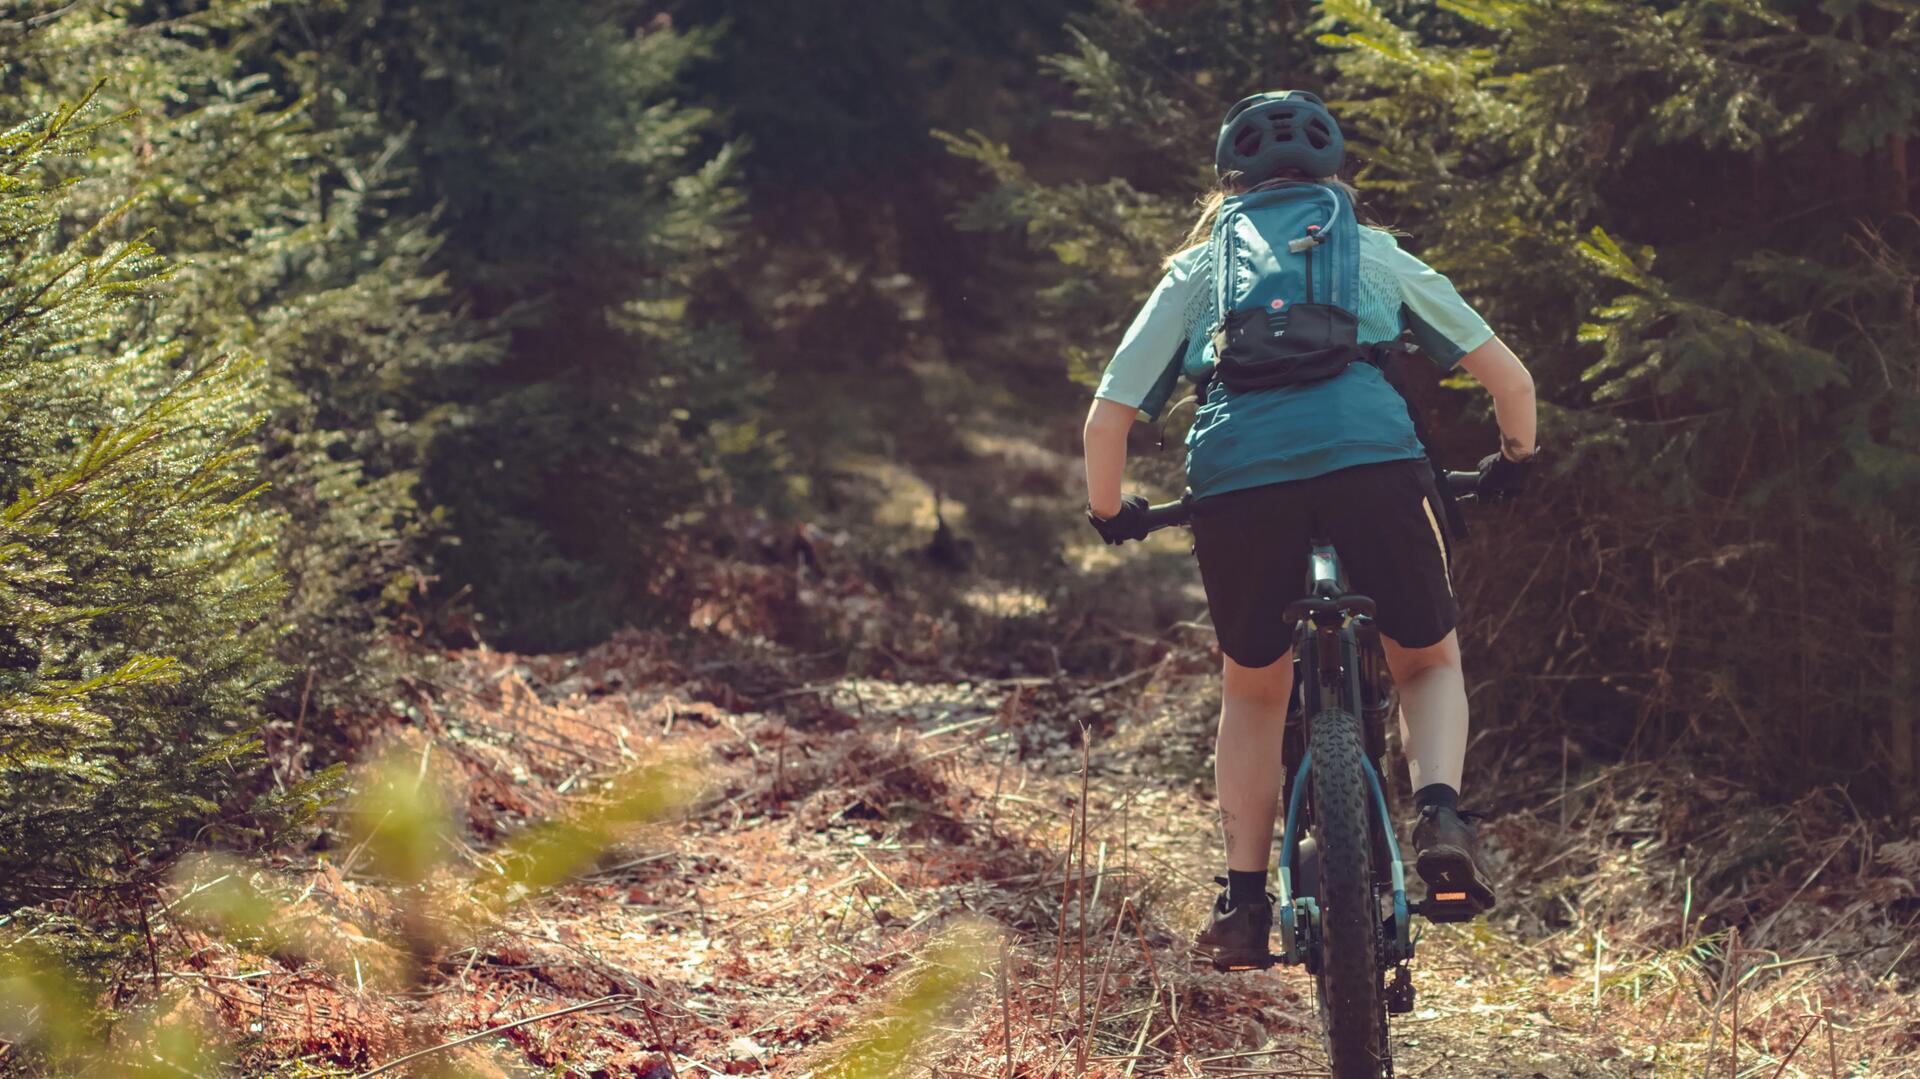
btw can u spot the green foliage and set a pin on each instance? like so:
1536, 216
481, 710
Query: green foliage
956, 964
439, 265
1724, 188
1100, 209
469, 243
583, 204
136, 568
1708, 133
885, 328
553, 852
1694, 221
280, 205
51, 1027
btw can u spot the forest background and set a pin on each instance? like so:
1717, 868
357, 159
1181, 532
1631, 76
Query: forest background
336, 334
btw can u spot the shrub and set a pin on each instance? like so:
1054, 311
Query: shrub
136, 563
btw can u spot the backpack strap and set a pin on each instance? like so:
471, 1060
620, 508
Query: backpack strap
1203, 385
1382, 355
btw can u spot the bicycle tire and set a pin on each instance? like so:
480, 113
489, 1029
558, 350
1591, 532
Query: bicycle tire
1348, 982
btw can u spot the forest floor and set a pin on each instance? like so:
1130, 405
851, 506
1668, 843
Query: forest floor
889, 874
808, 912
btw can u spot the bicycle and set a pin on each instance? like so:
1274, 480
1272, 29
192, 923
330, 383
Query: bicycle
1342, 909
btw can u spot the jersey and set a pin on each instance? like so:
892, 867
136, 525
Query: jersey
1288, 433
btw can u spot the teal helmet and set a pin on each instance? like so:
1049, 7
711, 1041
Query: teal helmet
1269, 133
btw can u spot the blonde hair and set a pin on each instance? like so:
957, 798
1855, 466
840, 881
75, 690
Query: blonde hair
1229, 186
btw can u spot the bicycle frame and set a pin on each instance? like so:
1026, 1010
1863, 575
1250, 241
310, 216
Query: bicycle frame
1330, 626
1340, 672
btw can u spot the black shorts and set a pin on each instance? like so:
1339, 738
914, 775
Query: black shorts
1387, 524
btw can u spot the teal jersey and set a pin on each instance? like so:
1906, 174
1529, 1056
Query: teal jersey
1297, 432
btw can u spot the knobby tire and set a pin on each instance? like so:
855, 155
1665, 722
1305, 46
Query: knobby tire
1348, 983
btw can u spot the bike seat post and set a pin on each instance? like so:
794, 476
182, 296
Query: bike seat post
1325, 577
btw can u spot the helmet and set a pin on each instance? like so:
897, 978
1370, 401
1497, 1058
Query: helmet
1283, 129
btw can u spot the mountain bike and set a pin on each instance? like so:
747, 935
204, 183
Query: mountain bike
1342, 909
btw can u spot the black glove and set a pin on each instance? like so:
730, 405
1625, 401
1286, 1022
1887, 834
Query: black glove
1129, 524
1501, 479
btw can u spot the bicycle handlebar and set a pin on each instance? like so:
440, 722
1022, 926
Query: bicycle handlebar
1169, 515
1461, 485
1174, 514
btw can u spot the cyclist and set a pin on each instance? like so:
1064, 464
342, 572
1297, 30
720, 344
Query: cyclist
1272, 468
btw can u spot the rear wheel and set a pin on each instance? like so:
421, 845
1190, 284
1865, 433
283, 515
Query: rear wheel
1348, 981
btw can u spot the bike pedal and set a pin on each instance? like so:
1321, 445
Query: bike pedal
1446, 907
1235, 967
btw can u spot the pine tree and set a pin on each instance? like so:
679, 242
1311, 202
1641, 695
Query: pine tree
1149, 84
1723, 188
1694, 222
583, 205
281, 203
136, 569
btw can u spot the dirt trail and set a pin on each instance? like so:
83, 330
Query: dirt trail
847, 825
850, 823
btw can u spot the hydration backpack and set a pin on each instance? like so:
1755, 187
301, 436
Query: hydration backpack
1285, 262
1285, 266
1286, 277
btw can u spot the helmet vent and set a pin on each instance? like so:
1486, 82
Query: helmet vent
1317, 134
1246, 141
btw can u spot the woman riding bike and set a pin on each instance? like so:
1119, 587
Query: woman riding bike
1338, 458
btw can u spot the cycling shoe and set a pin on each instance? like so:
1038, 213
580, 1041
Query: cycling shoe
1236, 937
1449, 857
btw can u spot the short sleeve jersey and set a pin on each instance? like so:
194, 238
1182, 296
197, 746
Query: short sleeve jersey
1297, 432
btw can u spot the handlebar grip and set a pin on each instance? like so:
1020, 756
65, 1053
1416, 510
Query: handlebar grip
1169, 515
1463, 484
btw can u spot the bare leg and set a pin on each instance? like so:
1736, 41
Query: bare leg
1247, 766
1433, 710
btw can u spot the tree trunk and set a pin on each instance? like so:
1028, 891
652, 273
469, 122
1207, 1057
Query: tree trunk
1902, 194
1903, 714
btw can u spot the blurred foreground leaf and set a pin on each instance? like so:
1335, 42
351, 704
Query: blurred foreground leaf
403, 818
550, 853
41, 1006
959, 958
219, 893
47, 1019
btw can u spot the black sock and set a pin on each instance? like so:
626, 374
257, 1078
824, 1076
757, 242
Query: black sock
1436, 794
1246, 886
